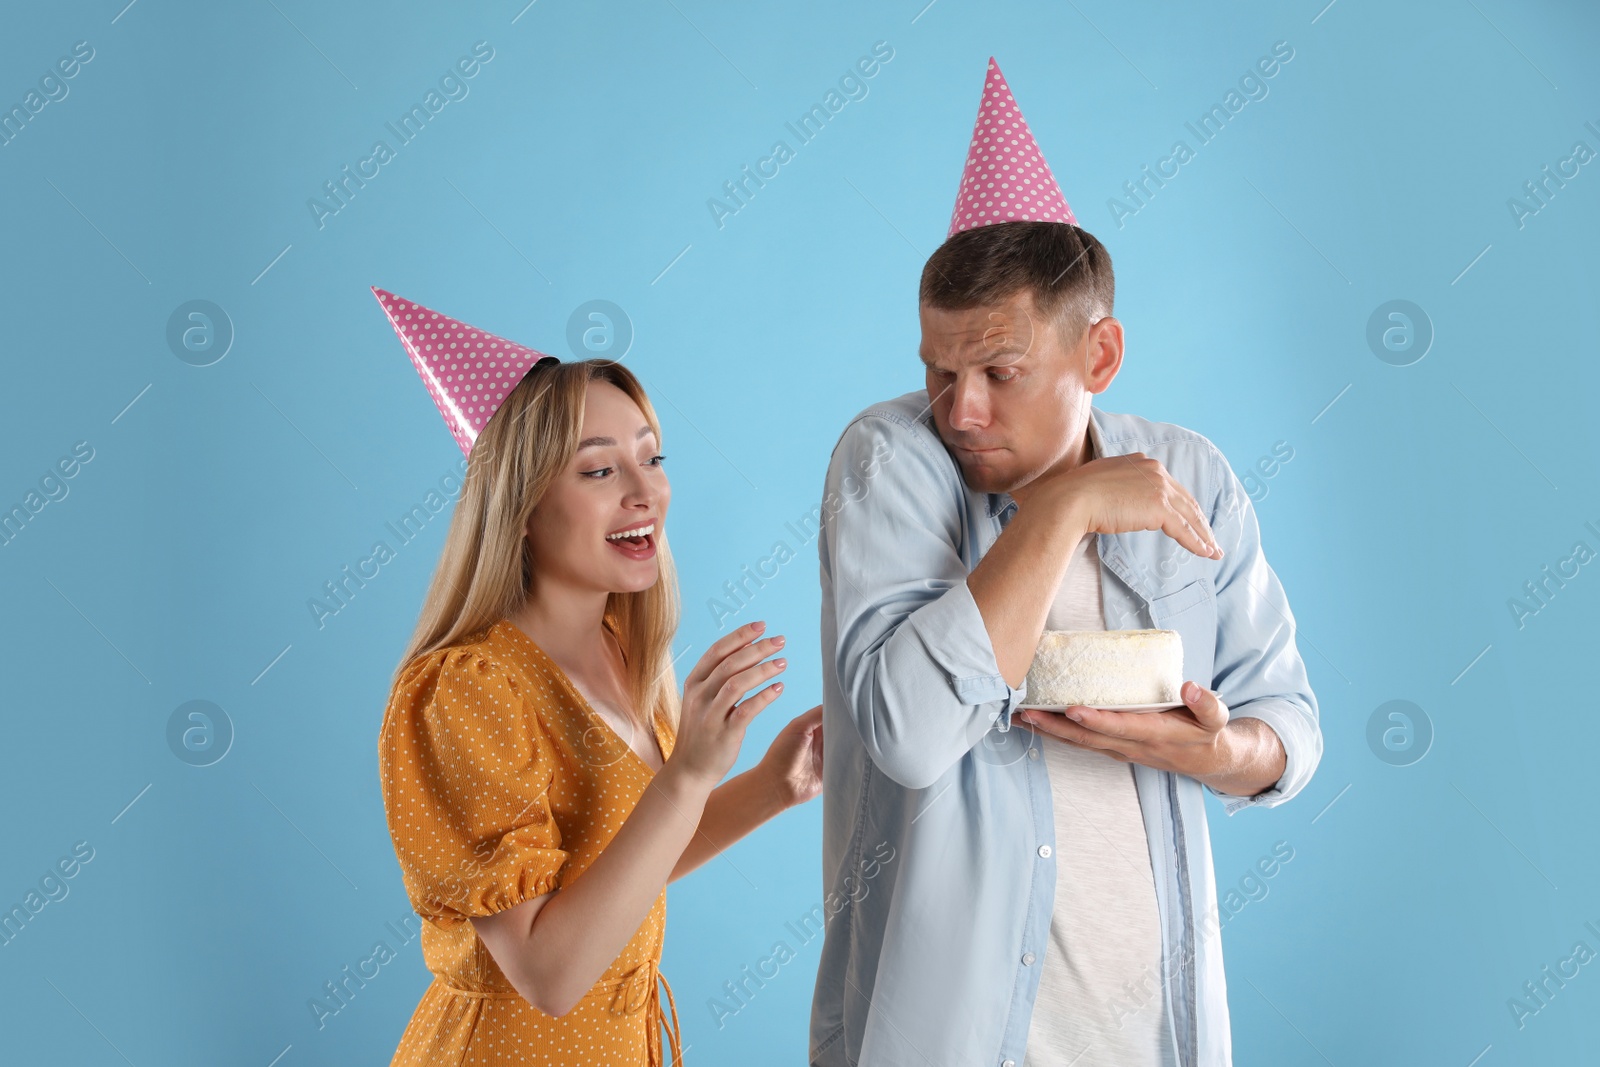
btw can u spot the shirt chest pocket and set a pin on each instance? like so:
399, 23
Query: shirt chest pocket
1191, 610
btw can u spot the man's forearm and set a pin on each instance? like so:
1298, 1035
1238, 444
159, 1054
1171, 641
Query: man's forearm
1251, 758
733, 809
1015, 583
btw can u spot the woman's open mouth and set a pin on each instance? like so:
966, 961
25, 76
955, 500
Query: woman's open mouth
636, 543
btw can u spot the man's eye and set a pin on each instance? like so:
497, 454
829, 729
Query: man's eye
1003, 378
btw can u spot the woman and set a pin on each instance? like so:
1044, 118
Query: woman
541, 778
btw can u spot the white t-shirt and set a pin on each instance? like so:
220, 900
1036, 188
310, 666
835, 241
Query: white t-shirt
1101, 999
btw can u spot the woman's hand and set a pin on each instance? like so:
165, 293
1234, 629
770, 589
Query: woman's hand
712, 720
793, 763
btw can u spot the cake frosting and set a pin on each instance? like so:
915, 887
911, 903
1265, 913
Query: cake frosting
1106, 667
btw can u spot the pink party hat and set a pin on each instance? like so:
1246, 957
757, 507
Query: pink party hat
1006, 179
468, 372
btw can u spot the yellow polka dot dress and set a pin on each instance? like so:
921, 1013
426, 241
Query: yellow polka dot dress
501, 783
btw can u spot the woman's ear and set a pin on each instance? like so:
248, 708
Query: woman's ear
527, 536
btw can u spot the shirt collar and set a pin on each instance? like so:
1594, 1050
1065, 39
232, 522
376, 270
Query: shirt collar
1002, 502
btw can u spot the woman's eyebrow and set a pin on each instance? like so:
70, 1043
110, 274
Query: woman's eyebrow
591, 442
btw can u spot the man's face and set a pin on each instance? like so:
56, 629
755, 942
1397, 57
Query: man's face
1010, 395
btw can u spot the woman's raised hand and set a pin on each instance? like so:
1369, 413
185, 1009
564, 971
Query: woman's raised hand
714, 714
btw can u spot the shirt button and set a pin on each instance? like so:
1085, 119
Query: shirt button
1008, 1063
1044, 850
1033, 753
1027, 959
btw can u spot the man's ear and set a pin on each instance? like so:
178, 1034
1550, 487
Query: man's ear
1103, 347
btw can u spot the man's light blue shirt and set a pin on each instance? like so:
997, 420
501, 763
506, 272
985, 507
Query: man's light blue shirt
938, 830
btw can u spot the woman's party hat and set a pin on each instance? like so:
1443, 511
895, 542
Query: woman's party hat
469, 373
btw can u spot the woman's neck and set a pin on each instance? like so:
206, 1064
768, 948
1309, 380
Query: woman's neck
568, 627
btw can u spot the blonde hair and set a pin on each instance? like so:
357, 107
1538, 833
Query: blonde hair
486, 567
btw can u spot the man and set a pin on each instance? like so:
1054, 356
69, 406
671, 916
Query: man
1050, 898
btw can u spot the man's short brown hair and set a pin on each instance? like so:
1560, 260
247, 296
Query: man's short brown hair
1066, 269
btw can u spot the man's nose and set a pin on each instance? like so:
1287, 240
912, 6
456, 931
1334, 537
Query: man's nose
969, 406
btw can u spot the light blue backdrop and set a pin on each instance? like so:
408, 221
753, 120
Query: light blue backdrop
209, 504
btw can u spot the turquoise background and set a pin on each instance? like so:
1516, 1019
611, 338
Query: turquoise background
178, 566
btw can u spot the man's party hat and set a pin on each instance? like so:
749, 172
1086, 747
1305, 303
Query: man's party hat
1006, 178
469, 373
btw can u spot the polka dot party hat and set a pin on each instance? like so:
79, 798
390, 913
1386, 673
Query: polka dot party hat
1006, 179
468, 372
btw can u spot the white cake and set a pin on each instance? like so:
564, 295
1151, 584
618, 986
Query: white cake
1106, 667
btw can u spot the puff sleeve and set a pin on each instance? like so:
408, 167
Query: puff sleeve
466, 769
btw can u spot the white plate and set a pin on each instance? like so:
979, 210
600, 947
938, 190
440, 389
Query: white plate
1102, 707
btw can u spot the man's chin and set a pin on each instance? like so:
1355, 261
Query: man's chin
980, 474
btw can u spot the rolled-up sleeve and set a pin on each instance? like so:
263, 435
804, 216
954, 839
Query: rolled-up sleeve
1258, 670
913, 657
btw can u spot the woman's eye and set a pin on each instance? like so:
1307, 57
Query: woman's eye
598, 473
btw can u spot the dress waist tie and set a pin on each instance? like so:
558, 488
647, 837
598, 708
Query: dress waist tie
637, 991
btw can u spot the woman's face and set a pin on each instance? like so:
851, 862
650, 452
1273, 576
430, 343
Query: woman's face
614, 483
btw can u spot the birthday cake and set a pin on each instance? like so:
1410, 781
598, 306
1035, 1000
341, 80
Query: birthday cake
1103, 668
